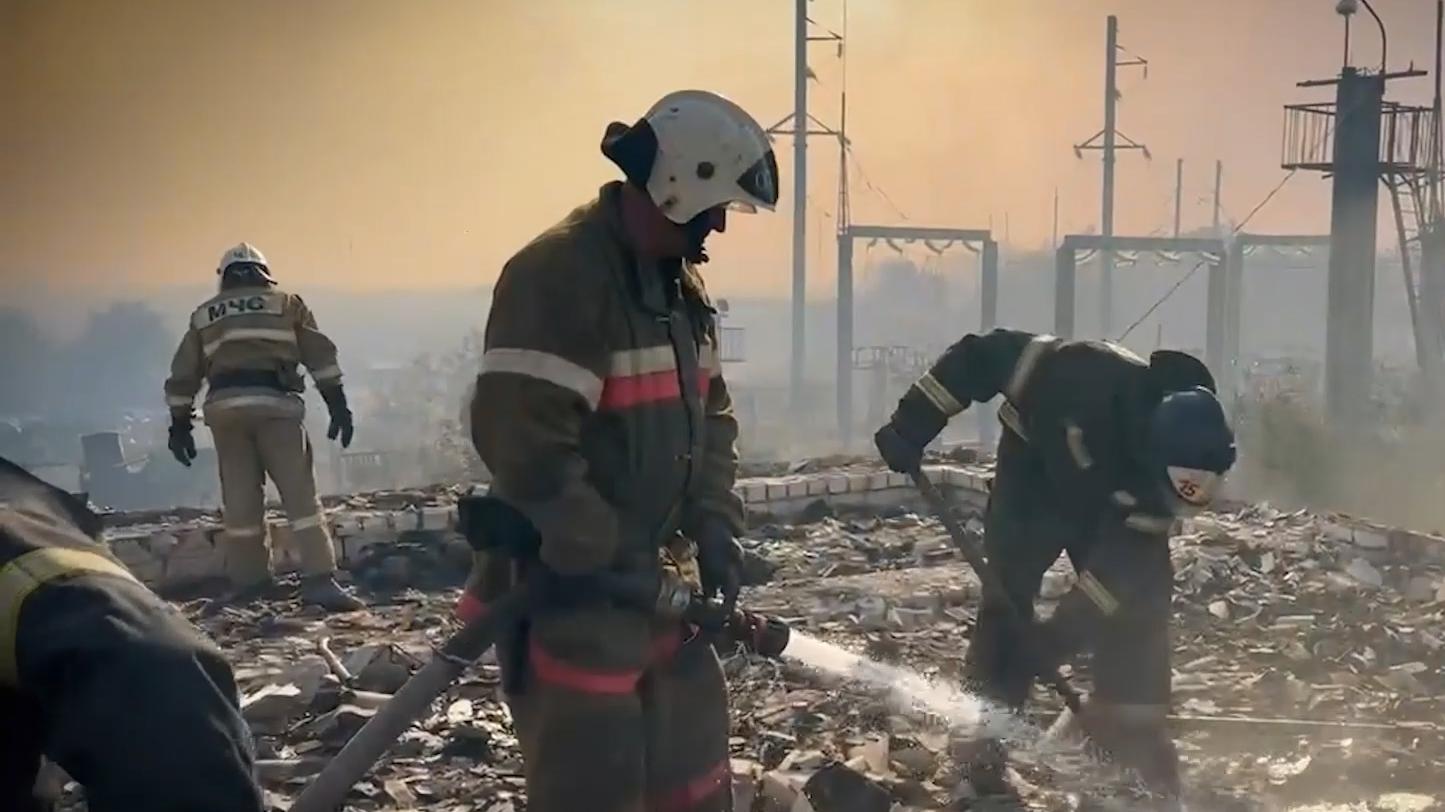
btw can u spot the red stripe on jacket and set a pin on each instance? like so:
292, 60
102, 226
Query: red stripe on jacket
628, 391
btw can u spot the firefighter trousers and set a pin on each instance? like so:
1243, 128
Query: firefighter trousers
615, 714
1130, 646
248, 449
1125, 582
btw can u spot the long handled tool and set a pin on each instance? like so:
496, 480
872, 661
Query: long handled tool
1162, 774
993, 586
759, 634
490, 524
326, 793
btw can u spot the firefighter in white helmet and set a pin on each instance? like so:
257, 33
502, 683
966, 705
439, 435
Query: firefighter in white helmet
245, 343
602, 413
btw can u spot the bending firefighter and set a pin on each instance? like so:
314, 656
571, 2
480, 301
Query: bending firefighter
245, 344
602, 414
102, 677
1101, 451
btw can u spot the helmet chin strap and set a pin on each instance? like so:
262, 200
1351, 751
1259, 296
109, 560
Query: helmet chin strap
697, 230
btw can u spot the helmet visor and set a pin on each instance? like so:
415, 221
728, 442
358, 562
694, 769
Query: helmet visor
760, 183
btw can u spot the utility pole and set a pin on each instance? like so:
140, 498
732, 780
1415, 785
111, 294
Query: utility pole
843, 357
1218, 187
1055, 245
1111, 101
800, 205
799, 124
1108, 140
1178, 193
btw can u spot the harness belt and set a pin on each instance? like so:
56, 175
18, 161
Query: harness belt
240, 378
27, 573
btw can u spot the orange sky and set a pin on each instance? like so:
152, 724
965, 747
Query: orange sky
383, 144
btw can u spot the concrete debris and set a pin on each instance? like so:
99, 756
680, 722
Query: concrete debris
1281, 771
383, 668
1422, 588
1309, 670
781, 792
1405, 802
1361, 571
273, 703
837, 788
873, 754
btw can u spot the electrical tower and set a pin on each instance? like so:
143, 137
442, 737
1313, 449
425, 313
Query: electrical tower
800, 124
1361, 140
1108, 140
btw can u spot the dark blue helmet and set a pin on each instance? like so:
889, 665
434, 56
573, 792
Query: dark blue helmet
1192, 443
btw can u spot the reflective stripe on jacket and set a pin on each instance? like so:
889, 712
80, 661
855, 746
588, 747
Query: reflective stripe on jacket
601, 408
1078, 409
22, 575
251, 330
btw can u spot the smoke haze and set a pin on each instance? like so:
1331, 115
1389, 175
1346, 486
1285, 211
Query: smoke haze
368, 144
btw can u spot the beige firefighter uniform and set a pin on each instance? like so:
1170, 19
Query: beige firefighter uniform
246, 344
602, 413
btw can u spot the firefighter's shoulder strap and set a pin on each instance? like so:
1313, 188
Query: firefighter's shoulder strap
1033, 352
28, 572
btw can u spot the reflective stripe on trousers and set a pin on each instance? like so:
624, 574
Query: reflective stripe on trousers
22, 576
553, 670
694, 792
247, 451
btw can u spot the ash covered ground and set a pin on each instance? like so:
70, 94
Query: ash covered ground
1308, 675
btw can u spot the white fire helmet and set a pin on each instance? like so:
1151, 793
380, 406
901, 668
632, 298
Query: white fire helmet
710, 152
244, 254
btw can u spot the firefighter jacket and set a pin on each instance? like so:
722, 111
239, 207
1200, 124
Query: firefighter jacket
601, 409
1078, 409
246, 342
104, 678
1073, 457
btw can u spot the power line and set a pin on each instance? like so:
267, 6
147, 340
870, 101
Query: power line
1201, 263
1162, 300
1262, 203
868, 182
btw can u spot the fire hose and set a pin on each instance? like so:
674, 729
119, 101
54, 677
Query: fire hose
1165, 779
668, 597
327, 792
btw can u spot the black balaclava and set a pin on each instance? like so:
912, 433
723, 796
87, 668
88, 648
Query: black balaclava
634, 149
245, 275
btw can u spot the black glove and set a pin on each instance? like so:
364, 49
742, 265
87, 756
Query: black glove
901, 454
181, 443
341, 426
720, 560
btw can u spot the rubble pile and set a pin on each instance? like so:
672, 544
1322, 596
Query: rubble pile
308, 683
840, 546
1309, 672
